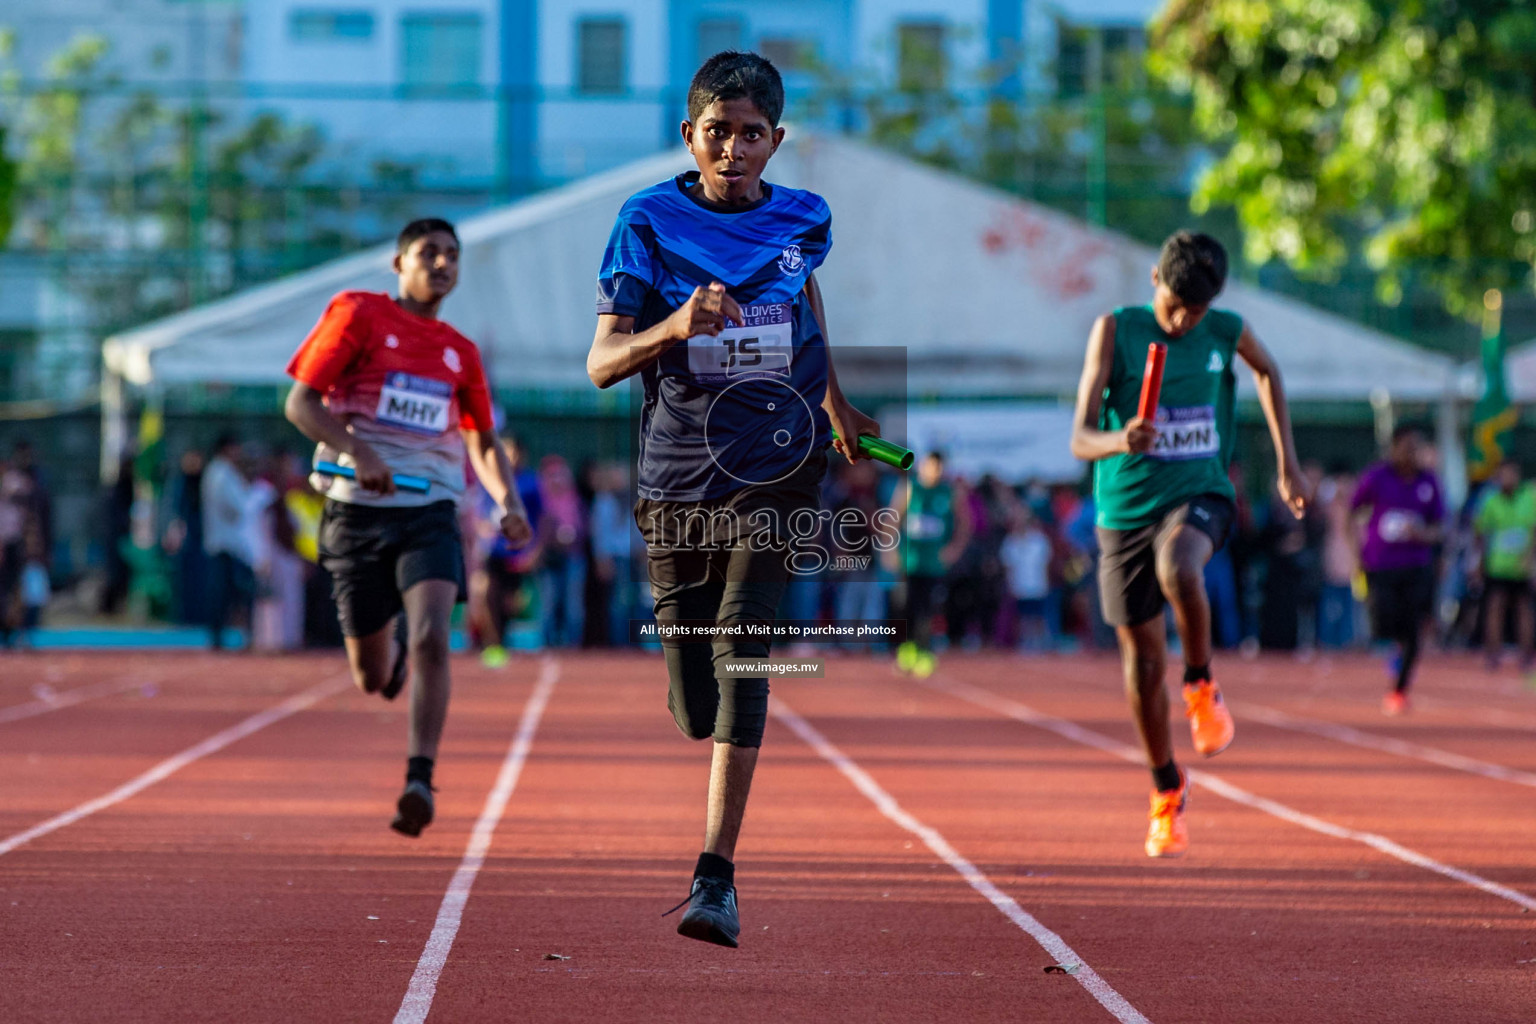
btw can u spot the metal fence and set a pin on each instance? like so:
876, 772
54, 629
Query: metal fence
150, 198
145, 199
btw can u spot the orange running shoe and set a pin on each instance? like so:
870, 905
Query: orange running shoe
1394, 703
1167, 835
1210, 723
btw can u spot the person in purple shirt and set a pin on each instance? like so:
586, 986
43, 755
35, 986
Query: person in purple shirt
1403, 511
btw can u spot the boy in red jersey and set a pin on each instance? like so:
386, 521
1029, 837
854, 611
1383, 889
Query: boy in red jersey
386, 387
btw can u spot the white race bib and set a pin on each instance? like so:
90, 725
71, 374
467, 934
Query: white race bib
924, 526
417, 404
763, 346
1186, 432
1396, 526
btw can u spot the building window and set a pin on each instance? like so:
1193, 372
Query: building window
1124, 56
921, 64
441, 51
717, 34
788, 54
600, 56
309, 26
1074, 60
1091, 57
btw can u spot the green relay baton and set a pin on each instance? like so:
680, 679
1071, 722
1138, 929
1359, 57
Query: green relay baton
881, 450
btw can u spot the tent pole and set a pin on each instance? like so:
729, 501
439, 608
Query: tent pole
114, 426
1382, 416
1453, 456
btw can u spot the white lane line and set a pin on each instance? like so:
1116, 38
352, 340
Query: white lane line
1072, 731
218, 741
49, 699
418, 996
1491, 716
1052, 943
1385, 744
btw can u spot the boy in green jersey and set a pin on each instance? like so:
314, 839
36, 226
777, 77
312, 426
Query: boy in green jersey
1506, 528
935, 529
1164, 502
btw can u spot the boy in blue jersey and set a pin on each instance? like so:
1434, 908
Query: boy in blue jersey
706, 292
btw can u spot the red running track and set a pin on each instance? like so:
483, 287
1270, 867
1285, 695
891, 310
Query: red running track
254, 878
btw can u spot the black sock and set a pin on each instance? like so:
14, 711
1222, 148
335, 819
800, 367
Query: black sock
712, 865
1407, 658
1167, 777
418, 769
1197, 674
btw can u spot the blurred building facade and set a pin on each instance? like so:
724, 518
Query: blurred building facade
525, 93
165, 41
223, 143
378, 109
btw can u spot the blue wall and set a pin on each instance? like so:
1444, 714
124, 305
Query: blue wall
518, 117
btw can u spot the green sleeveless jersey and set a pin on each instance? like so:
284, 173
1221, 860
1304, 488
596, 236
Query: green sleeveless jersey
930, 526
1195, 418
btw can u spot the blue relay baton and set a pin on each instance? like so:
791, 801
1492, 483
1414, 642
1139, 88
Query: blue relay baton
416, 484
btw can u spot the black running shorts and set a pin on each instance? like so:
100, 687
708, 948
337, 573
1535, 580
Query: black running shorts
376, 554
1399, 600
725, 560
1514, 590
1129, 593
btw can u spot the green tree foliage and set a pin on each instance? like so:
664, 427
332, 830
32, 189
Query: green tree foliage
8, 175
1403, 131
149, 199
52, 118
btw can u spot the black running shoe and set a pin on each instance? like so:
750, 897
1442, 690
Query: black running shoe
402, 669
414, 809
711, 914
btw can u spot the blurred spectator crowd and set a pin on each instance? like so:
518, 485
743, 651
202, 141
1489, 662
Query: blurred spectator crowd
230, 545
26, 538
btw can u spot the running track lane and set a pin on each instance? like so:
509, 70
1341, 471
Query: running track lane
257, 884
1066, 958
1215, 783
173, 906
1387, 744
1273, 921
32, 686
171, 765
845, 916
26, 671
56, 761
418, 997
1445, 814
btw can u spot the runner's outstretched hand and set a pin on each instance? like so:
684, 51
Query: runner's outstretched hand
1295, 490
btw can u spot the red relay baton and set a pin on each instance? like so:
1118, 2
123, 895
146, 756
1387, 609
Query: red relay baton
1152, 381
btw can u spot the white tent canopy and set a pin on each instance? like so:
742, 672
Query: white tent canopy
525, 295
988, 294
1519, 374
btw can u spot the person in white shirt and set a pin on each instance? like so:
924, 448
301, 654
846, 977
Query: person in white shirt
1026, 555
226, 539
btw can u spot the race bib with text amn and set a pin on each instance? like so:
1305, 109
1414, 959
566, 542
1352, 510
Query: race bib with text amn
1187, 432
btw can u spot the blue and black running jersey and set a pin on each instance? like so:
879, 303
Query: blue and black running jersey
743, 407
